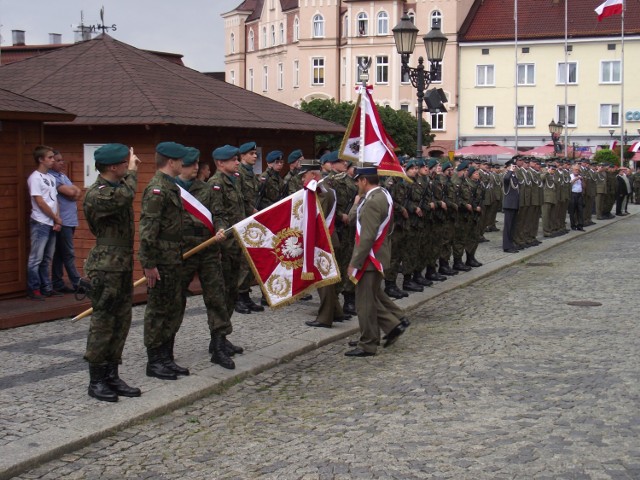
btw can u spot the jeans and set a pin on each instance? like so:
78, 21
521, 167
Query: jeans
43, 243
64, 256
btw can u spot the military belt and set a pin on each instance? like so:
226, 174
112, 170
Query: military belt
114, 242
196, 232
168, 237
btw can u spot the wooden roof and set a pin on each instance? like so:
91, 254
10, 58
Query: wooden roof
18, 107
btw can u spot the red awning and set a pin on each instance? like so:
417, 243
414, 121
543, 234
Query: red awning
479, 149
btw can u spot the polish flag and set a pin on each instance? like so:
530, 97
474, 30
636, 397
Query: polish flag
635, 147
613, 144
608, 8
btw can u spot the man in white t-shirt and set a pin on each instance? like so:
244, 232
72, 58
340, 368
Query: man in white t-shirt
44, 223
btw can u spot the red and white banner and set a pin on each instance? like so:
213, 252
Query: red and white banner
635, 147
613, 144
378, 146
192, 205
608, 8
288, 247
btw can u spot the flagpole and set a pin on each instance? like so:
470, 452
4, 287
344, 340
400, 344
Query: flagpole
622, 146
365, 63
566, 82
515, 17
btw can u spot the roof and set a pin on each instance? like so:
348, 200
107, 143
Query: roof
18, 107
107, 82
255, 7
492, 20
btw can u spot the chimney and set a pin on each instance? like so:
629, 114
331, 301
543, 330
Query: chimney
18, 37
55, 38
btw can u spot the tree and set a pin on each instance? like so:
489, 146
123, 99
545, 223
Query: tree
401, 126
606, 156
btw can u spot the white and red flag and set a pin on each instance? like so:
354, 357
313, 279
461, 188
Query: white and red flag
608, 8
613, 144
378, 146
288, 247
192, 205
635, 147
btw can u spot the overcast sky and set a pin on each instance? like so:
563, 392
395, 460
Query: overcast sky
193, 28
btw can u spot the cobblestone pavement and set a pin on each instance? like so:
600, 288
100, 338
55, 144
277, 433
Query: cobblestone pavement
501, 379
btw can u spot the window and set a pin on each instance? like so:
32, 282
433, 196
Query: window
562, 118
263, 40
610, 71
273, 35
318, 26
485, 76
567, 75
280, 76
437, 77
383, 23
232, 77
609, 115
382, 69
524, 116
296, 29
484, 116
437, 121
265, 78
404, 77
296, 73
404, 107
318, 71
345, 26
281, 29
251, 79
363, 24
232, 43
526, 74
436, 19
251, 41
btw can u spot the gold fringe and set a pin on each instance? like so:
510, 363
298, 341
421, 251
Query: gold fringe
307, 276
310, 288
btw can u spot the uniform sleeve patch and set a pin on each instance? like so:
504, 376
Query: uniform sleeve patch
237, 174
216, 187
263, 179
157, 191
101, 187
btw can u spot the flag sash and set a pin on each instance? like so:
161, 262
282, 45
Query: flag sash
196, 209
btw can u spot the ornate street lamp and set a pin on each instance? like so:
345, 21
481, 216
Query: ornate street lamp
405, 34
555, 129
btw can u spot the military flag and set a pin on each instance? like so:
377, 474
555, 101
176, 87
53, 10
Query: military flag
288, 247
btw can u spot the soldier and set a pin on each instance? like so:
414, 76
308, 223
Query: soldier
108, 209
227, 209
549, 200
292, 180
205, 263
601, 192
464, 221
271, 183
510, 205
533, 223
439, 219
636, 187
449, 227
589, 178
477, 227
249, 185
420, 206
525, 190
161, 257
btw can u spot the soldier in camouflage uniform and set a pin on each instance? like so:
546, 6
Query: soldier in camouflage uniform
449, 227
549, 198
206, 263
477, 227
464, 223
292, 179
108, 208
227, 210
271, 183
249, 185
420, 208
439, 217
161, 257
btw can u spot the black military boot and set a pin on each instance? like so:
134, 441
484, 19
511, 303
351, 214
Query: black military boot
219, 355
118, 385
410, 286
391, 289
263, 301
169, 362
434, 276
230, 348
459, 266
421, 280
241, 307
471, 261
98, 387
253, 306
445, 269
156, 365
349, 307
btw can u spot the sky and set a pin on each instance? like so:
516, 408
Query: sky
193, 28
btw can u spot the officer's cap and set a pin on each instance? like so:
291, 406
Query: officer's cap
462, 165
171, 150
224, 153
247, 147
365, 171
111, 154
192, 156
510, 162
274, 155
294, 156
309, 166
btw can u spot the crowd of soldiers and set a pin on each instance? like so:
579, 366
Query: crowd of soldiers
441, 209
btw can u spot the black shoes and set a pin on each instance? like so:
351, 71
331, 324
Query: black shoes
434, 276
52, 293
358, 352
472, 262
511, 250
349, 307
156, 366
410, 286
459, 266
229, 347
118, 385
241, 307
250, 304
421, 280
98, 387
315, 323
394, 334
219, 355
392, 290
445, 269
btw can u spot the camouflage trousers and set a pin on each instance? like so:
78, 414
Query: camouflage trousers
398, 258
209, 269
163, 315
111, 298
448, 233
464, 226
231, 259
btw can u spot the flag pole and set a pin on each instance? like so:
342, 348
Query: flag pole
515, 43
365, 63
622, 146
140, 281
566, 82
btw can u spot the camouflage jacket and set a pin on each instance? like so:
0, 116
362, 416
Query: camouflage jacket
346, 191
227, 201
271, 185
108, 209
161, 223
292, 181
249, 184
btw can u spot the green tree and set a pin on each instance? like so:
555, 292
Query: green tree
400, 125
606, 156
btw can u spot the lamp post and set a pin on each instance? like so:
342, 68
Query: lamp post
555, 129
404, 35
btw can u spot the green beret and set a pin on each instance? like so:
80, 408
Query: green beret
324, 158
294, 156
192, 156
111, 154
446, 166
432, 162
224, 153
471, 171
411, 163
462, 165
333, 157
274, 155
247, 147
171, 150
